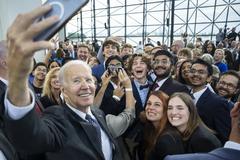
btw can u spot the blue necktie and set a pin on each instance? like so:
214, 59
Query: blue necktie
95, 124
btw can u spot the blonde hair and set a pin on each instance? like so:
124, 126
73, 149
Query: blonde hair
47, 83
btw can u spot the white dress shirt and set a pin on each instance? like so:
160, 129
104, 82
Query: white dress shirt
17, 113
232, 145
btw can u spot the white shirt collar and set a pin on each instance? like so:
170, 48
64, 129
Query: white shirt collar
160, 83
113, 84
232, 145
198, 94
80, 113
4, 81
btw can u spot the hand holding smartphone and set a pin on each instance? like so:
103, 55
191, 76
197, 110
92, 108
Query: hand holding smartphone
65, 9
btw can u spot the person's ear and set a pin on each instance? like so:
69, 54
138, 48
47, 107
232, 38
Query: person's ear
209, 79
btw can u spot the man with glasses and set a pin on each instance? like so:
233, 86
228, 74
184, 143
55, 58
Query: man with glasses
213, 109
228, 85
162, 66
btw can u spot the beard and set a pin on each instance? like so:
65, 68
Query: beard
164, 74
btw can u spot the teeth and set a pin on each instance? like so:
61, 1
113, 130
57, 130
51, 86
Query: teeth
175, 118
85, 95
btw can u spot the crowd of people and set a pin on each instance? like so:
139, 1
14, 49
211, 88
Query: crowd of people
117, 102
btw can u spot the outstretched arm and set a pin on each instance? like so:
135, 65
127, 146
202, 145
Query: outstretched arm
21, 49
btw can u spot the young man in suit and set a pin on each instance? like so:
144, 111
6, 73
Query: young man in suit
213, 109
231, 149
71, 131
162, 65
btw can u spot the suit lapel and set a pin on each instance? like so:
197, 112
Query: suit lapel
165, 86
136, 94
202, 100
89, 130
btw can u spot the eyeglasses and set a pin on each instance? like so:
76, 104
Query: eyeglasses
163, 62
228, 85
194, 71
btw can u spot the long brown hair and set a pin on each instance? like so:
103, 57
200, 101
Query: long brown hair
152, 133
194, 120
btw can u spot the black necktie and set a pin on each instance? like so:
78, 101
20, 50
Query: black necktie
94, 123
143, 86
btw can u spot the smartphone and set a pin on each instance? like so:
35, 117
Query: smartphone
65, 9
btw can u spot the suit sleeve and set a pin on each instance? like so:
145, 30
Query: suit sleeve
34, 134
222, 121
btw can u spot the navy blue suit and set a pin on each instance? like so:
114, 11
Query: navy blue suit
215, 113
217, 154
97, 71
171, 86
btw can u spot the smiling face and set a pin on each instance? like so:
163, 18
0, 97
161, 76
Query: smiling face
227, 86
54, 82
199, 75
83, 53
78, 86
109, 50
40, 73
178, 113
154, 109
139, 68
162, 66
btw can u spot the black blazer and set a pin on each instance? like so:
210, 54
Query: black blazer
217, 154
171, 86
202, 140
169, 143
215, 113
5, 146
109, 105
60, 133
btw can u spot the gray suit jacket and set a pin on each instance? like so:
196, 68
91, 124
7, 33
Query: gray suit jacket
217, 154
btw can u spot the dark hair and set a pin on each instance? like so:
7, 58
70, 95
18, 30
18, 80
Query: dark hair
232, 73
202, 62
151, 133
164, 52
113, 57
107, 42
67, 59
180, 77
52, 62
39, 64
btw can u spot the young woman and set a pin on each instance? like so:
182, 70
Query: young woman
51, 89
159, 139
183, 115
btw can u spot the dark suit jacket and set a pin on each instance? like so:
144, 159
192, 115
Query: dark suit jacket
60, 133
97, 71
217, 154
202, 140
5, 146
109, 105
215, 113
171, 86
